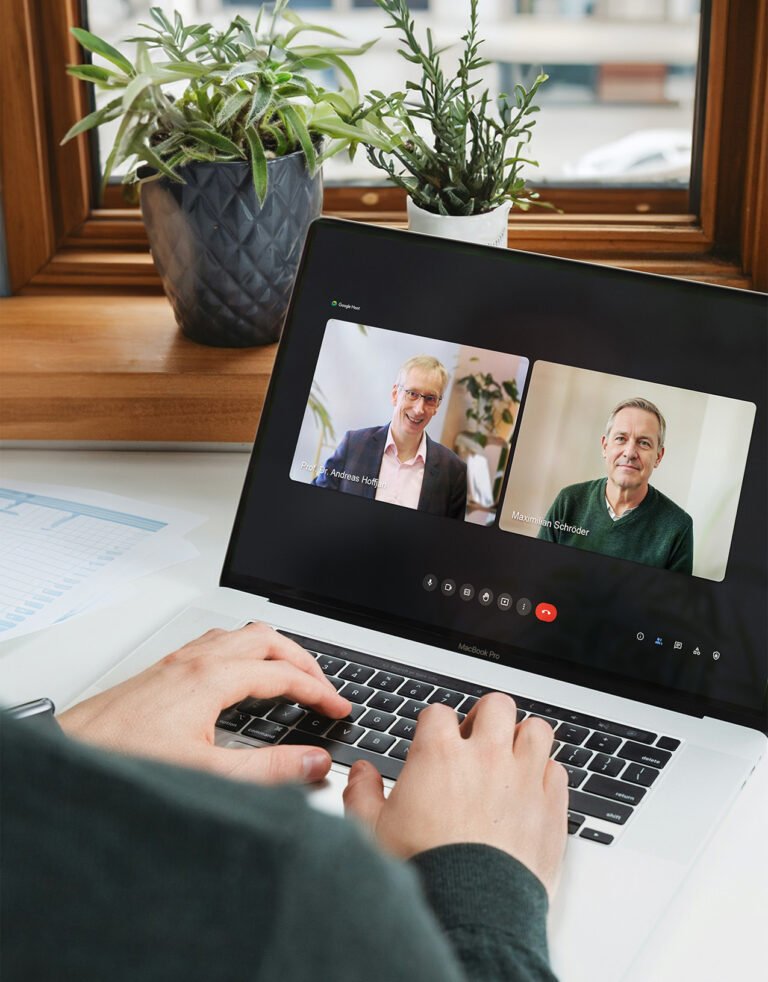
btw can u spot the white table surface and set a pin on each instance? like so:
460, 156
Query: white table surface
714, 930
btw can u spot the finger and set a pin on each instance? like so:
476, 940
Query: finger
257, 640
556, 779
533, 743
435, 723
228, 680
364, 793
269, 765
494, 718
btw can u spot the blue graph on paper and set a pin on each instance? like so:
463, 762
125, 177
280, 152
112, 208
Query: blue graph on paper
53, 547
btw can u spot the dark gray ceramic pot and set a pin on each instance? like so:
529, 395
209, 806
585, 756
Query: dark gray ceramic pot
227, 263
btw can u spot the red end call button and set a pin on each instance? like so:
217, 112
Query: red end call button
546, 612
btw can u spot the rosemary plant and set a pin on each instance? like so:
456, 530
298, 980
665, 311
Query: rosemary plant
466, 168
245, 95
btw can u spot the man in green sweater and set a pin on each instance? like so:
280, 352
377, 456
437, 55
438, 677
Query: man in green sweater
621, 514
135, 849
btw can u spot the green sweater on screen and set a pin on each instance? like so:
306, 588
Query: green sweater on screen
124, 869
657, 533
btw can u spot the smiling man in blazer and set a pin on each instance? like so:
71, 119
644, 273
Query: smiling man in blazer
398, 462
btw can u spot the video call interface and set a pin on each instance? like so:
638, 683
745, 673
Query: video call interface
513, 500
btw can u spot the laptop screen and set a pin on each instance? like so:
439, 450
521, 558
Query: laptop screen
545, 463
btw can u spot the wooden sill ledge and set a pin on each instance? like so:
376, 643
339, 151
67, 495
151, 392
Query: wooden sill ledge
117, 368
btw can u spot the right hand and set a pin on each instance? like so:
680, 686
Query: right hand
487, 780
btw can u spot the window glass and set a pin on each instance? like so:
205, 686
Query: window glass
617, 109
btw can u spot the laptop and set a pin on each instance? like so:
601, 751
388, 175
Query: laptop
492, 560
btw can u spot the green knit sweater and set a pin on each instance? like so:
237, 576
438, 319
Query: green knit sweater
657, 533
123, 869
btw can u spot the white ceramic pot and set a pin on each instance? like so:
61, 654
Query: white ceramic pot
490, 228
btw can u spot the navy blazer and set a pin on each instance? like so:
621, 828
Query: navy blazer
443, 490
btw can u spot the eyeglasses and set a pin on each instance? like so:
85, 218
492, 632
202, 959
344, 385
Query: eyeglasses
413, 395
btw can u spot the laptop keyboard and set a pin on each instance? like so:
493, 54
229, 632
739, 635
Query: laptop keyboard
610, 766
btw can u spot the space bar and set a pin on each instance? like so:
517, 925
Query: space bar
343, 753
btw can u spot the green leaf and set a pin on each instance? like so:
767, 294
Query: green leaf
244, 68
262, 97
258, 163
98, 47
215, 140
303, 26
91, 73
298, 126
231, 106
96, 118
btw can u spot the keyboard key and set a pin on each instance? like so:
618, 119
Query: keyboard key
575, 775
337, 683
387, 681
356, 673
400, 750
644, 755
468, 703
329, 664
627, 732
603, 764
385, 700
261, 729
570, 733
416, 690
555, 747
606, 787
411, 709
580, 719
355, 713
604, 743
541, 708
313, 723
668, 743
520, 716
356, 692
256, 707
447, 697
231, 719
404, 728
346, 732
589, 804
377, 720
575, 756
640, 775
344, 753
286, 714
595, 836
378, 742
547, 719
574, 822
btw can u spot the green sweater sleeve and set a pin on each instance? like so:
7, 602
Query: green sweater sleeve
122, 868
492, 909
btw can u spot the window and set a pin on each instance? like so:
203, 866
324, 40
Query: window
58, 238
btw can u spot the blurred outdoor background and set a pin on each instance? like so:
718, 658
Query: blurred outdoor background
617, 109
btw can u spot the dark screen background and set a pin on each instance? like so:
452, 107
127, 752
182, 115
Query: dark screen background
365, 561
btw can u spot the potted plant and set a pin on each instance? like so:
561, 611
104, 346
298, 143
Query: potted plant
226, 133
462, 179
491, 417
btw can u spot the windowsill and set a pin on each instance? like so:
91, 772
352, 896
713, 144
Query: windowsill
107, 362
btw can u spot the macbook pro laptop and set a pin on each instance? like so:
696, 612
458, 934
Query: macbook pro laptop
638, 630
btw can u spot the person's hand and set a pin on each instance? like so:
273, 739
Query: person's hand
486, 780
169, 711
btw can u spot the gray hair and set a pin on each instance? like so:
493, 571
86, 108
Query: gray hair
639, 403
428, 364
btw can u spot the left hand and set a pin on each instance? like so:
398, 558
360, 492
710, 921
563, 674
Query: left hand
169, 711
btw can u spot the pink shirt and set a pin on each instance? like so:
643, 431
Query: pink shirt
400, 482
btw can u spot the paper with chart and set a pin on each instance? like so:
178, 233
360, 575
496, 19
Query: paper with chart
63, 549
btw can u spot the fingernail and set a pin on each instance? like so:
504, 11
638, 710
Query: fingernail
314, 765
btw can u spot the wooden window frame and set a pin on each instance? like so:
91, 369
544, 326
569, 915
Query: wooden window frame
90, 350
